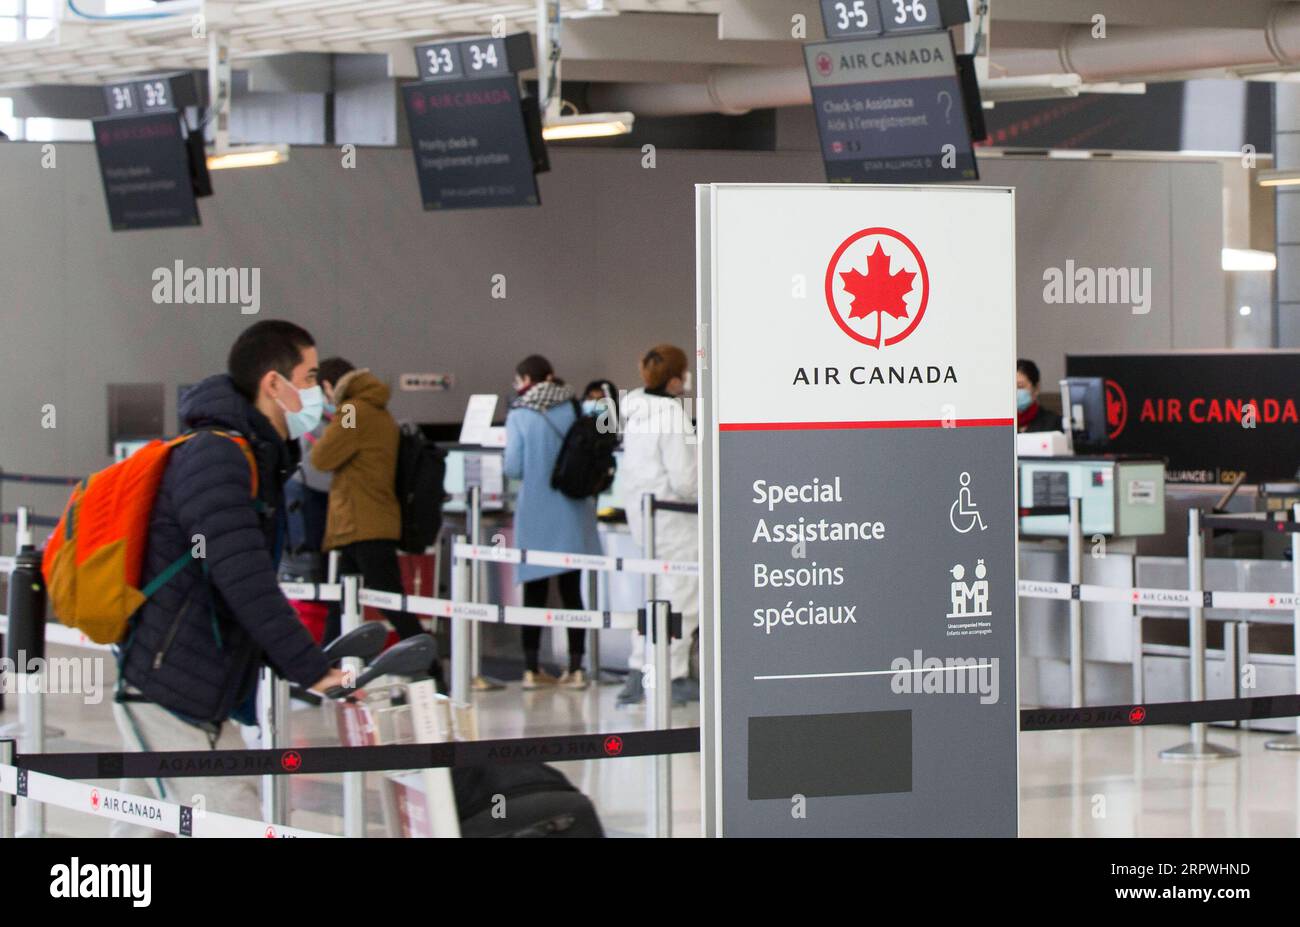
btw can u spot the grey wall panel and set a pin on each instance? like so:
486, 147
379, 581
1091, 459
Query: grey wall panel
1197, 283
1286, 150
603, 270
1116, 214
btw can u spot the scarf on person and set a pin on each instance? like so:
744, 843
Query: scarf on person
1027, 416
542, 396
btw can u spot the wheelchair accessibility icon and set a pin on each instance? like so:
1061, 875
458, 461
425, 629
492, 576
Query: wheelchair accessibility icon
963, 514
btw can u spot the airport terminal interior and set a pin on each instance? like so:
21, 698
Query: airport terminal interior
650, 418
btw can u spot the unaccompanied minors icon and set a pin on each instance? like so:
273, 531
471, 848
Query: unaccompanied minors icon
969, 600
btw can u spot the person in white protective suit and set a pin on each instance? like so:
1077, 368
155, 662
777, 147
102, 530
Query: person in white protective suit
659, 457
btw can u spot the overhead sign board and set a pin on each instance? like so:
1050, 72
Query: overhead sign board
471, 144
850, 18
151, 94
144, 164
1211, 414
481, 57
858, 510
889, 110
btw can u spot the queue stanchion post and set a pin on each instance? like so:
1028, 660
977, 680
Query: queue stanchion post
1198, 748
462, 668
474, 523
593, 645
648, 580
1292, 741
354, 783
8, 749
1075, 553
25, 651
273, 715
23, 529
598, 676
332, 569
648, 539
659, 712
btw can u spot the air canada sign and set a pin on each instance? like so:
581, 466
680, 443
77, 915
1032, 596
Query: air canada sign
1212, 415
877, 288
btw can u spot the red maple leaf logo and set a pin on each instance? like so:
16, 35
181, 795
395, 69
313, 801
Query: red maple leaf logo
878, 290
882, 290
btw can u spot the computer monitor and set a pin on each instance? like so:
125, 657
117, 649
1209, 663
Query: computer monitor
1083, 413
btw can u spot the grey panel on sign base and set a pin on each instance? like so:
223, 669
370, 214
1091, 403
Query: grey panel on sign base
842, 753
962, 755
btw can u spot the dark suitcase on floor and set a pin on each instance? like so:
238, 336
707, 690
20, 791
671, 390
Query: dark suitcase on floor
535, 801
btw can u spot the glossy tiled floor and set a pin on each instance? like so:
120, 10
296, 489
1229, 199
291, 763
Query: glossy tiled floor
1083, 783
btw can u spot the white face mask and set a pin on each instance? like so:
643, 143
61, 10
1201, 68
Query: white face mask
687, 382
308, 417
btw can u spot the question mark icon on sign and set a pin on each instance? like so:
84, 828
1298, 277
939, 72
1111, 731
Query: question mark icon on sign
947, 113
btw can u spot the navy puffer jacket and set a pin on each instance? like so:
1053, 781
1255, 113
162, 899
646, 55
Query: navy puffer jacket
195, 648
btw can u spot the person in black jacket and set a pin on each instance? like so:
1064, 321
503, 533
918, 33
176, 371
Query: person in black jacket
192, 654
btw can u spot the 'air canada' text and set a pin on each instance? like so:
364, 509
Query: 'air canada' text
865, 376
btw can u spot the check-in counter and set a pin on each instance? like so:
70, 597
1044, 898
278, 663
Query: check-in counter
1120, 501
1139, 653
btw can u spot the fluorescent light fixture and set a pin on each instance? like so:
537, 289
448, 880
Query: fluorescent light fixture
588, 125
248, 156
1248, 259
1278, 178
1244, 310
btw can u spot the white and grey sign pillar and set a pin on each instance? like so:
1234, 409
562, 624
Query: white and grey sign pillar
858, 510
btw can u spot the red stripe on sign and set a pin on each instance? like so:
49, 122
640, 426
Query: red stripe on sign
842, 426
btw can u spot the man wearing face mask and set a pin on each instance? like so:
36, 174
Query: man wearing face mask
1030, 416
191, 658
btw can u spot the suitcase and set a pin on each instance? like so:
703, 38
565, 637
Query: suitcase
521, 800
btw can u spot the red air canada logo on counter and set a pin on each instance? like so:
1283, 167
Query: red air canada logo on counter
1116, 408
1196, 410
877, 286
825, 65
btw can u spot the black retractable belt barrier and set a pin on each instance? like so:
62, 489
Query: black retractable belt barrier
37, 521
1031, 511
322, 760
6, 477
328, 760
1245, 523
1208, 711
691, 507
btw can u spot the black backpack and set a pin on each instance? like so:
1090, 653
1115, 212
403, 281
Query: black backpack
585, 466
421, 470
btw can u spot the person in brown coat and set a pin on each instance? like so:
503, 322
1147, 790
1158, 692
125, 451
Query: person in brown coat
360, 449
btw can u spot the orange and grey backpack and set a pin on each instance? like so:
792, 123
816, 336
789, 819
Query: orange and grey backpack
93, 560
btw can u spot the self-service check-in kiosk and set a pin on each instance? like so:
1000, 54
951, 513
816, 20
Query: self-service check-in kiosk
1118, 497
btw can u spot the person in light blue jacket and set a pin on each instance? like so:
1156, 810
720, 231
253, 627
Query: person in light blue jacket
545, 518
